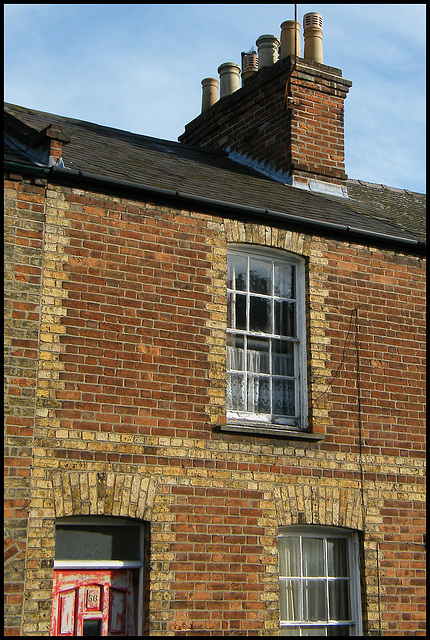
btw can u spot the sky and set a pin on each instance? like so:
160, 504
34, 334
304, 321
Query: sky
138, 67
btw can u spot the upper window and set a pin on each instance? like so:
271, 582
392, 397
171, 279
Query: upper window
266, 338
319, 592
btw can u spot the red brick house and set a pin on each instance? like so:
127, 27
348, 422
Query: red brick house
214, 372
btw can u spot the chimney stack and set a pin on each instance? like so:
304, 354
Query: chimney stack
229, 80
294, 136
209, 92
312, 29
290, 37
267, 50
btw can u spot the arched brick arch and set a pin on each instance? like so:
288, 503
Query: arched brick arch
248, 232
321, 505
103, 493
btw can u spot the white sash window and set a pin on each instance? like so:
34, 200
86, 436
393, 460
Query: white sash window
319, 590
266, 339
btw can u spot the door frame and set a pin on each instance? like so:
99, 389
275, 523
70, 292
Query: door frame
96, 565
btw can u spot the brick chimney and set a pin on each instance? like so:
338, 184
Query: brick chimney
287, 118
46, 145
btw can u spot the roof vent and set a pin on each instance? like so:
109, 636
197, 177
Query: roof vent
312, 28
249, 64
229, 81
267, 50
312, 19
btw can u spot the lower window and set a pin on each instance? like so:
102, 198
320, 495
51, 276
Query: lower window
319, 589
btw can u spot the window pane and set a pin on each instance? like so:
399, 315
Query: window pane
283, 358
313, 556
89, 542
289, 556
339, 630
337, 557
230, 316
285, 318
241, 311
235, 353
260, 277
336, 630
92, 628
230, 272
289, 600
314, 600
314, 631
284, 285
258, 354
258, 394
260, 315
339, 599
235, 392
236, 270
283, 397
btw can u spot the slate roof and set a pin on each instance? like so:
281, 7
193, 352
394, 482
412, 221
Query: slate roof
405, 208
113, 153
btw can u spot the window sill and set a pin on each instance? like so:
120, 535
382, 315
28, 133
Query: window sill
283, 432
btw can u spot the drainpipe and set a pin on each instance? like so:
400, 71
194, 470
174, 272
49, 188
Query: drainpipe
290, 46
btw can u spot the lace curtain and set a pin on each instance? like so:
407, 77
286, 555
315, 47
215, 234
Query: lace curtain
259, 396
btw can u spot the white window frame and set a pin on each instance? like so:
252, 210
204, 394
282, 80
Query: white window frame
101, 521
300, 421
314, 531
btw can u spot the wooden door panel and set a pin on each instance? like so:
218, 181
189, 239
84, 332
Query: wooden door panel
88, 602
67, 610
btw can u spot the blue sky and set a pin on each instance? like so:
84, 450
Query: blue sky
139, 67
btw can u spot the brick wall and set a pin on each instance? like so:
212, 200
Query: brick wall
23, 241
131, 385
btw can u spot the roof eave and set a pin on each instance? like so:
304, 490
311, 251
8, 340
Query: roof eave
222, 208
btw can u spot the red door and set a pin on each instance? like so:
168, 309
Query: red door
92, 603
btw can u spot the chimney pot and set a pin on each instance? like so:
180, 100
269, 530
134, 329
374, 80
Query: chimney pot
249, 64
289, 29
312, 29
267, 50
209, 92
229, 78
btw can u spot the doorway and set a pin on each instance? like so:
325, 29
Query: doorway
98, 577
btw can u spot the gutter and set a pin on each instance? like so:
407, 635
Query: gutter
78, 178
